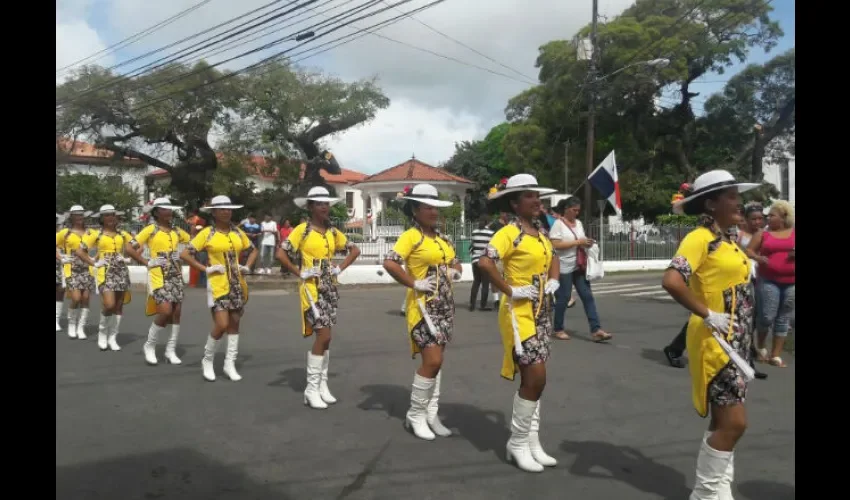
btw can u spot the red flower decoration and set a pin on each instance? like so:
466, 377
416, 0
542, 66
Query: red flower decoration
503, 182
407, 190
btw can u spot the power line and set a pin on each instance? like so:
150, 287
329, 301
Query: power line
277, 55
137, 36
147, 68
435, 30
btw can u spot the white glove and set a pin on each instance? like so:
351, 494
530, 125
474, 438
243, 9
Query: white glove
455, 275
216, 269
523, 292
335, 270
551, 287
245, 269
99, 264
719, 322
310, 272
67, 259
428, 285
157, 262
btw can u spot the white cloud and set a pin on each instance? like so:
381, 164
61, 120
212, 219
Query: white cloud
435, 102
76, 40
402, 130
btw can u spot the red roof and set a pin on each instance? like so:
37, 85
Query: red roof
414, 170
256, 166
79, 151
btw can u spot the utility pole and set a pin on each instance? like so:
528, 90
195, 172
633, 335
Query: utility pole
591, 114
566, 167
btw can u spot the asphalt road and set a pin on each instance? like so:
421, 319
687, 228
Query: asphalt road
617, 417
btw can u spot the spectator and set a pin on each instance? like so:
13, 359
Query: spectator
269, 243
480, 239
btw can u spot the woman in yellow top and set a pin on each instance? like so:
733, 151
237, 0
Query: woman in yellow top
317, 242
710, 276
79, 281
60, 277
432, 266
531, 277
227, 291
165, 276
111, 273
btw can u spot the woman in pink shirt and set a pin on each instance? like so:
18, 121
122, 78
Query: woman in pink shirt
773, 249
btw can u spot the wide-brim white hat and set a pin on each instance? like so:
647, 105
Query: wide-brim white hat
519, 183
427, 194
163, 202
107, 210
221, 201
77, 209
317, 193
708, 182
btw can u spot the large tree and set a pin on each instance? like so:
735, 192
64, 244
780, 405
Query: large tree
698, 36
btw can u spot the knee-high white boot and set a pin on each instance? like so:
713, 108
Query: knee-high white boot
312, 397
433, 409
711, 470
725, 490
59, 304
150, 345
209, 355
518, 448
111, 340
230, 357
324, 391
102, 332
73, 314
417, 416
537, 452
171, 346
81, 323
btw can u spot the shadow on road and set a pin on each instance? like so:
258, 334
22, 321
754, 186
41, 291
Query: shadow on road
656, 355
296, 379
628, 465
176, 473
757, 490
487, 430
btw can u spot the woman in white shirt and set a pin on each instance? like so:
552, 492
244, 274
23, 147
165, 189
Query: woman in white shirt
569, 240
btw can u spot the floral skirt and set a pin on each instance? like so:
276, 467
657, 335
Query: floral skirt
81, 279
171, 291
58, 273
441, 310
234, 300
327, 302
536, 348
117, 277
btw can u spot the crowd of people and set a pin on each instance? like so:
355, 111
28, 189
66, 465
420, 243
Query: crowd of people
530, 259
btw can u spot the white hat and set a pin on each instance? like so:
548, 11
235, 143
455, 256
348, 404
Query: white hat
77, 209
427, 194
106, 209
519, 183
162, 202
220, 201
708, 182
317, 193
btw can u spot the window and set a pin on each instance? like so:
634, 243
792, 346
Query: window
784, 180
349, 200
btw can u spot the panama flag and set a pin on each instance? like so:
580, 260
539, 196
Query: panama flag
604, 179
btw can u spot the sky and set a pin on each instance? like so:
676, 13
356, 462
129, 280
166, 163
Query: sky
435, 101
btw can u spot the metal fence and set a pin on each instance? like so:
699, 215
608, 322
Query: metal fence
620, 241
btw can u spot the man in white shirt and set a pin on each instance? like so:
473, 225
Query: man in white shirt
268, 244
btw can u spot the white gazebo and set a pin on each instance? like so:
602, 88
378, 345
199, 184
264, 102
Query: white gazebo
385, 185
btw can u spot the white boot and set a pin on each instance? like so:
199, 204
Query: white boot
59, 304
711, 470
81, 324
324, 391
312, 397
417, 415
72, 322
150, 345
230, 357
102, 332
537, 453
725, 490
433, 407
171, 346
207, 362
518, 449
114, 323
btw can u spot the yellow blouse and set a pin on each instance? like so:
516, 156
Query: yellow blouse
222, 249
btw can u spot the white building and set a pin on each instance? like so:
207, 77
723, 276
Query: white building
83, 158
781, 172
